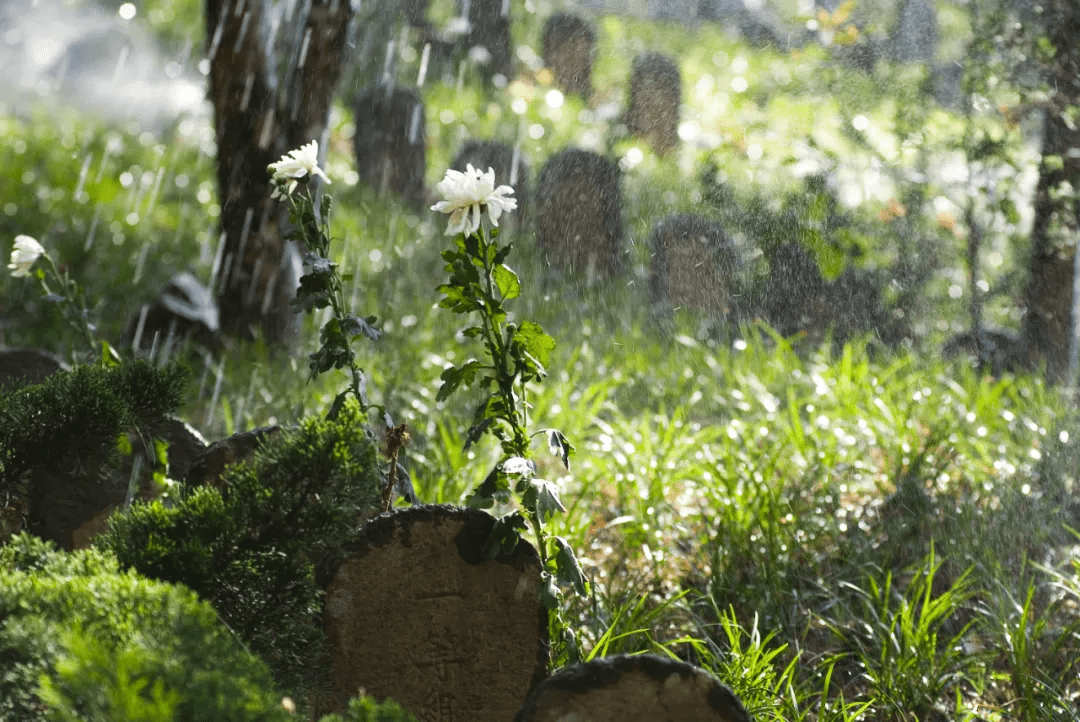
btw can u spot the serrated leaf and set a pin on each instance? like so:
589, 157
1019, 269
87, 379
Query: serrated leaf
504, 536
456, 376
507, 281
568, 570
542, 496
495, 487
356, 326
518, 466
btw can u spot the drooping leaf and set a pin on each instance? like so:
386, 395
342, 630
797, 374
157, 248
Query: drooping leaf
356, 326
559, 446
568, 570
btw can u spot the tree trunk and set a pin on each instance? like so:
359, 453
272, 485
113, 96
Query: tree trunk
258, 117
1048, 320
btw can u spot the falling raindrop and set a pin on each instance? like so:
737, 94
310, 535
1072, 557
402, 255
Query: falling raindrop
140, 326
220, 374
425, 56
82, 177
93, 228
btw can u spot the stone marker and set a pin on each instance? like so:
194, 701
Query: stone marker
208, 466
569, 47
25, 366
655, 95
579, 215
484, 154
623, 688
795, 295
390, 141
489, 30
693, 265
415, 614
185, 309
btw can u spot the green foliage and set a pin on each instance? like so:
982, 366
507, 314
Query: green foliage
365, 709
909, 644
73, 419
254, 549
81, 641
480, 282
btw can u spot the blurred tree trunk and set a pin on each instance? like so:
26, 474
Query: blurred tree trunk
1048, 323
260, 113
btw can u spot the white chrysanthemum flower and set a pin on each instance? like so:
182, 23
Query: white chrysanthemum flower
466, 196
24, 255
294, 165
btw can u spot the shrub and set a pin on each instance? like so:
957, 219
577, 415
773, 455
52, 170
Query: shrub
73, 419
365, 709
253, 549
80, 640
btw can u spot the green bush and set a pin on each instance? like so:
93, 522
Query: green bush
254, 548
73, 419
80, 640
365, 709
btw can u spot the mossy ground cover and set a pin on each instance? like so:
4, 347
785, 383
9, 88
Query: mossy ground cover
835, 531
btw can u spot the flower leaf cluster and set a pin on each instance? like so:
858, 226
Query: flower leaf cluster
58, 287
517, 353
321, 284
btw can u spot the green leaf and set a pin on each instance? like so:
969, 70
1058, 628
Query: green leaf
502, 253
507, 281
457, 376
559, 446
567, 568
542, 497
531, 338
504, 535
496, 487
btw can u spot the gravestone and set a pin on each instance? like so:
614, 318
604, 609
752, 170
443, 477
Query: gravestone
489, 29
639, 688
391, 140
655, 94
569, 46
579, 215
795, 295
415, 613
208, 466
693, 265
915, 35
185, 309
511, 171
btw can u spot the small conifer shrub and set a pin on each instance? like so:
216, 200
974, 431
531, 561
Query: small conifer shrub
261, 548
80, 640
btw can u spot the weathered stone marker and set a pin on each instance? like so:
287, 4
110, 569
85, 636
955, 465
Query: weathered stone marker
579, 215
623, 688
693, 265
390, 141
510, 169
655, 95
416, 614
569, 47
